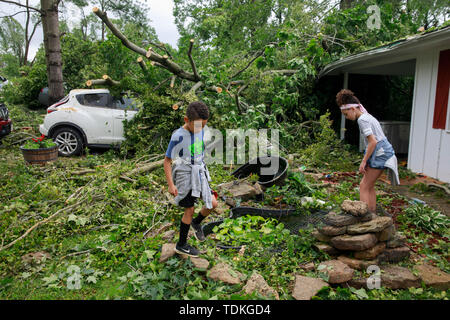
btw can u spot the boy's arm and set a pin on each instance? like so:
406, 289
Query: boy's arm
168, 171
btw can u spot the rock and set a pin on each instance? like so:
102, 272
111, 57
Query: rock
433, 277
394, 255
397, 241
374, 225
167, 251
367, 217
356, 263
371, 253
307, 287
337, 271
339, 220
223, 272
258, 284
221, 208
392, 277
243, 190
354, 243
200, 263
355, 208
358, 283
327, 249
395, 277
320, 236
168, 235
37, 257
332, 231
386, 234
308, 266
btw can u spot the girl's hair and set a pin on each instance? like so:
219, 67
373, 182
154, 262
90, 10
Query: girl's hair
346, 96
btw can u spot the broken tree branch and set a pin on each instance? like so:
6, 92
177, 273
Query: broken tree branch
142, 64
172, 81
44, 221
259, 54
148, 167
196, 87
191, 60
105, 81
161, 83
151, 55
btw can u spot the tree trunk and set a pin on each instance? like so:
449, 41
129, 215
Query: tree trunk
52, 44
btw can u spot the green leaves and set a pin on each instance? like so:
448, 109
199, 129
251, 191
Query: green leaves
427, 218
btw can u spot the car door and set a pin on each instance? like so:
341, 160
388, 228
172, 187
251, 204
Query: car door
124, 110
98, 120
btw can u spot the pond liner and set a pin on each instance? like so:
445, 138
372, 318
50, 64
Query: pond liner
292, 219
274, 176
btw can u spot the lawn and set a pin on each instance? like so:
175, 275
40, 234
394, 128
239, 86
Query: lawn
94, 244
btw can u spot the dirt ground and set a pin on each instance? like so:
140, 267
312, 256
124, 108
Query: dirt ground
438, 203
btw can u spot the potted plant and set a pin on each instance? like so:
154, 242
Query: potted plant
39, 150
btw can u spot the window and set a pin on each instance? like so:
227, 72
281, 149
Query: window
95, 100
125, 103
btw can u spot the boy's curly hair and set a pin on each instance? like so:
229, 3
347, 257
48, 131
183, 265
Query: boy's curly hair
197, 110
346, 96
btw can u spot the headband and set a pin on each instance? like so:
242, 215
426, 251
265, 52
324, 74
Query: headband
354, 105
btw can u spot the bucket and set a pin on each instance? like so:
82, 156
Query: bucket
39, 156
262, 166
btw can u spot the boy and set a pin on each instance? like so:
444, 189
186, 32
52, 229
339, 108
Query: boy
188, 179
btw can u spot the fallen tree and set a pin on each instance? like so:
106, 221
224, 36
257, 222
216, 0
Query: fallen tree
165, 62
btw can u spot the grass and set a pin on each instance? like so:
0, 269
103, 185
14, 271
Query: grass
102, 237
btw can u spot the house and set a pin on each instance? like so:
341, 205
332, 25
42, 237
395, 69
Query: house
426, 57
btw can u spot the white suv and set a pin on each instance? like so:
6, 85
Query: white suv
87, 117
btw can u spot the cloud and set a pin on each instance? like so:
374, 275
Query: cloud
160, 16
162, 19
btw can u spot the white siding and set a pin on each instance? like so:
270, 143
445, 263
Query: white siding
429, 149
420, 108
433, 136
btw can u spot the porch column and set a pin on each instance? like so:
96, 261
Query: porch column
345, 86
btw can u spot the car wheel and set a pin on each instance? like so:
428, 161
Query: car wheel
69, 141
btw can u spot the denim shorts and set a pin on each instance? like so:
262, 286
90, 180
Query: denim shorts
383, 151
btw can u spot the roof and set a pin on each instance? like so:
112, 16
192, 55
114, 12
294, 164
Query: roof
395, 58
81, 91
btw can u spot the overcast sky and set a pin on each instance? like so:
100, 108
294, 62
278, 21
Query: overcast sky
160, 15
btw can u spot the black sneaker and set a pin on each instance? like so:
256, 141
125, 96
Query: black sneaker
187, 250
198, 231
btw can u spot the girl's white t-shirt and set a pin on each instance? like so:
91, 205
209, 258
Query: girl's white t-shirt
369, 125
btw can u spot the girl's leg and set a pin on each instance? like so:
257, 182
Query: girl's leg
367, 187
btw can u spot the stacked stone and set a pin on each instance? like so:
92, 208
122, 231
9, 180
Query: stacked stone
359, 237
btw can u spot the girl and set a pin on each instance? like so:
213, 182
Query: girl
378, 155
